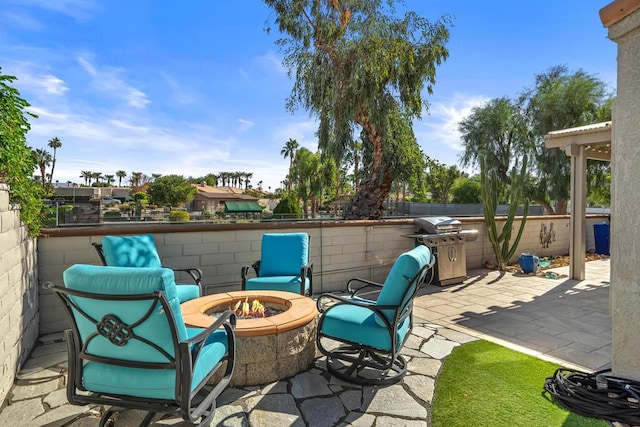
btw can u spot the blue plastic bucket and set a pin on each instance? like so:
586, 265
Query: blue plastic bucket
528, 262
601, 236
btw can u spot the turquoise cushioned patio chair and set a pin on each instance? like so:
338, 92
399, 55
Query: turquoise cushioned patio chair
140, 251
362, 338
128, 346
283, 266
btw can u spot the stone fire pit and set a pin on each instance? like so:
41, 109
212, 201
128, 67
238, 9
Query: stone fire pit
270, 348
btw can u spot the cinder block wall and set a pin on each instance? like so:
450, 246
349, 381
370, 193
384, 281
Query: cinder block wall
339, 251
18, 293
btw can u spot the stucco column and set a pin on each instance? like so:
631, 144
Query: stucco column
623, 20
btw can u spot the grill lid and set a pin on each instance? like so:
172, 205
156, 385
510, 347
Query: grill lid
437, 224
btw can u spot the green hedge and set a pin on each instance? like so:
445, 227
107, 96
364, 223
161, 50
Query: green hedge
179, 216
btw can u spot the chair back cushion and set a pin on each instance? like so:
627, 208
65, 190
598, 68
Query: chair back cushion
125, 281
131, 251
401, 283
283, 254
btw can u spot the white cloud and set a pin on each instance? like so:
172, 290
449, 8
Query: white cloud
20, 19
302, 131
78, 9
87, 66
245, 124
30, 78
272, 62
180, 94
136, 98
46, 83
108, 80
441, 125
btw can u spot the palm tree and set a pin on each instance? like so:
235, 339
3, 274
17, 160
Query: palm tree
120, 174
55, 144
224, 176
289, 150
135, 181
43, 159
86, 175
237, 179
109, 179
97, 176
247, 179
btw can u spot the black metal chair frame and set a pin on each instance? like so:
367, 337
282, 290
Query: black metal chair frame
190, 406
348, 361
306, 273
193, 272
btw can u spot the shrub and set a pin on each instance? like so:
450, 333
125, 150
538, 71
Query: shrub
288, 208
17, 163
112, 216
179, 216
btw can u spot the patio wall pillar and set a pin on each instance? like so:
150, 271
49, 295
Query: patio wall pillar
622, 17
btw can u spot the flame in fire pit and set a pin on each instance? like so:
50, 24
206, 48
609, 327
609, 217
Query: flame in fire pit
245, 310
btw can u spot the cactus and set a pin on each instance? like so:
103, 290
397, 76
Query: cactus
501, 243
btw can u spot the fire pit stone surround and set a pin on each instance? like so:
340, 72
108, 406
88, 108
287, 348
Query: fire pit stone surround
269, 348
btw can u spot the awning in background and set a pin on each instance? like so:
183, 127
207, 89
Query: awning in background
241, 207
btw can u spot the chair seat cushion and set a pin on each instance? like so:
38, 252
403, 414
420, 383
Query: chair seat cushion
187, 292
358, 325
279, 283
153, 383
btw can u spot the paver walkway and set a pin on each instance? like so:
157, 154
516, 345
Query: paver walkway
559, 319
562, 320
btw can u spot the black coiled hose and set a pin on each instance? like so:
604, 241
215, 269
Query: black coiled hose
596, 395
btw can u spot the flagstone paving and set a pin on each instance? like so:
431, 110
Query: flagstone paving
312, 398
562, 320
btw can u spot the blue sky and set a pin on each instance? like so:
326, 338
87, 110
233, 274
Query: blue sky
196, 87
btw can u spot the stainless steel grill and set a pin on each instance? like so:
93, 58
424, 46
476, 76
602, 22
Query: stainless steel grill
446, 239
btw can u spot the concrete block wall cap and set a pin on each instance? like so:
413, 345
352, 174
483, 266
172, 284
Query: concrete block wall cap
617, 10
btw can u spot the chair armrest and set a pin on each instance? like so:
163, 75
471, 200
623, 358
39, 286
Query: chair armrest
227, 319
306, 273
190, 351
366, 284
98, 248
193, 345
340, 300
194, 273
244, 272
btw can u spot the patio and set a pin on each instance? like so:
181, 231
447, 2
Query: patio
563, 320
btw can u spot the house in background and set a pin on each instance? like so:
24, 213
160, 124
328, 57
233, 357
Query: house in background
223, 199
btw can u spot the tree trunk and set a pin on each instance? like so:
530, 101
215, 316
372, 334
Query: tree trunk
314, 206
561, 207
548, 210
374, 189
367, 203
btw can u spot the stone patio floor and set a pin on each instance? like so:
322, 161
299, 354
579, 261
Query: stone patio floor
561, 320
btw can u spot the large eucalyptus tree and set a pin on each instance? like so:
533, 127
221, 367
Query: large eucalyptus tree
354, 62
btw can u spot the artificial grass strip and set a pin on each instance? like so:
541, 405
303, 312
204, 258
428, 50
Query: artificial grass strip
485, 384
